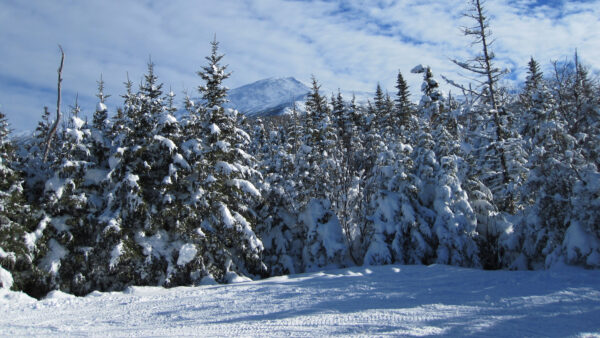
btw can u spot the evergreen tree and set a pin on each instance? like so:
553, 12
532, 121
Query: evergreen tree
432, 100
70, 207
403, 104
21, 236
131, 192
100, 128
278, 225
324, 242
224, 192
533, 83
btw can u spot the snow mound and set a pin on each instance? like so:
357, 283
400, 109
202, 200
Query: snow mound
56, 294
10, 299
6, 279
233, 278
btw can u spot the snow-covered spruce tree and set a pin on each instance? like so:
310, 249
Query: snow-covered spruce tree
71, 206
549, 186
456, 221
35, 170
324, 242
131, 194
581, 244
586, 125
403, 117
188, 205
452, 231
347, 183
277, 223
21, 236
533, 82
221, 185
397, 215
558, 224
100, 127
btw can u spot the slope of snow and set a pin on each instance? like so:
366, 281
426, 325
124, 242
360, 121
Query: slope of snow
374, 301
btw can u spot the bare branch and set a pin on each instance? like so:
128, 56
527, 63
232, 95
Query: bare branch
52, 131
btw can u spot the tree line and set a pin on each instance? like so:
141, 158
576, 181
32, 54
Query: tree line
493, 179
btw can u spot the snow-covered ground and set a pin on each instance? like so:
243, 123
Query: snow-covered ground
373, 301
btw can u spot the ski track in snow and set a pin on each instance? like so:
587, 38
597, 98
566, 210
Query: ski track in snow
373, 301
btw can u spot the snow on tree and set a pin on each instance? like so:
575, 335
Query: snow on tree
404, 108
432, 100
131, 192
547, 189
324, 243
70, 236
221, 186
21, 233
397, 220
347, 182
317, 166
277, 224
581, 243
100, 127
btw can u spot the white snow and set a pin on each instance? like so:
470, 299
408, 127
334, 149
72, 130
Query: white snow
178, 159
7, 255
114, 161
94, 176
233, 278
187, 252
224, 146
166, 142
374, 301
6, 279
32, 237
101, 107
267, 94
55, 184
419, 69
225, 168
131, 179
581, 243
75, 134
226, 216
56, 252
214, 129
168, 119
245, 186
115, 254
77, 122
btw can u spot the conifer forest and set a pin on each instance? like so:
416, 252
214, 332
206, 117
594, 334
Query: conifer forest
166, 195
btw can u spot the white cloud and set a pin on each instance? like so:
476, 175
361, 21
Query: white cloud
352, 45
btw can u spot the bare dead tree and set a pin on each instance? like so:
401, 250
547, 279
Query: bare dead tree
482, 64
52, 131
487, 75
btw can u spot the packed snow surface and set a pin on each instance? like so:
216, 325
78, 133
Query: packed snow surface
374, 301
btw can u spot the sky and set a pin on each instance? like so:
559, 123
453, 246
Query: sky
351, 45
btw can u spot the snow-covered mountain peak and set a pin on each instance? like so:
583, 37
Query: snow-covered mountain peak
268, 96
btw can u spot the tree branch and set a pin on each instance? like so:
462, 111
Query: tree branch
52, 131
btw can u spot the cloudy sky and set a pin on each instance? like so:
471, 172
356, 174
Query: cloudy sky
351, 45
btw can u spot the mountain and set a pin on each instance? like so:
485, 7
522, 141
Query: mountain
267, 97
274, 96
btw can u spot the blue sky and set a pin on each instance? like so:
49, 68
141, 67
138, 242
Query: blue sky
351, 45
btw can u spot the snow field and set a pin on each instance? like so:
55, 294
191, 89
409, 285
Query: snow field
374, 301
